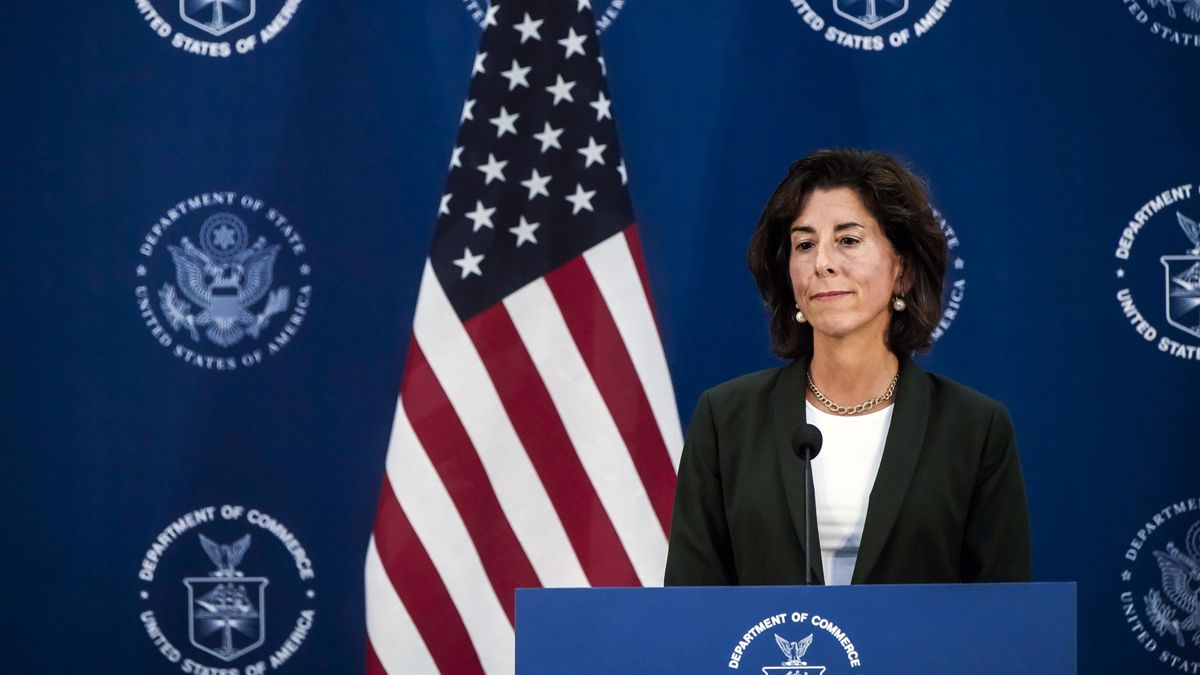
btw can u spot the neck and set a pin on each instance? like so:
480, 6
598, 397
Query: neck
849, 371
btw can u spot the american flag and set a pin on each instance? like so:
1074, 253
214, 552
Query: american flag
536, 436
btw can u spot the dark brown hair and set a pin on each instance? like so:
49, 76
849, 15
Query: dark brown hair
897, 199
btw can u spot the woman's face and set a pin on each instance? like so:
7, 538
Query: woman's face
844, 271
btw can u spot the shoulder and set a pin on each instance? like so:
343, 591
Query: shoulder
947, 391
744, 402
750, 383
955, 403
749, 389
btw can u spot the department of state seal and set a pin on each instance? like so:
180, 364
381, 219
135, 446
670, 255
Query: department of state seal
1160, 586
605, 12
222, 283
954, 291
1173, 21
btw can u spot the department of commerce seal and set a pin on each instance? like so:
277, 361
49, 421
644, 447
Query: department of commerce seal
222, 283
796, 635
234, 596
483, 13
871, 25
217, 28
1158, 272
1160, 586
1174, 21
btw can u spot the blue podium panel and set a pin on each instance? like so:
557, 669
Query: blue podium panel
794, 630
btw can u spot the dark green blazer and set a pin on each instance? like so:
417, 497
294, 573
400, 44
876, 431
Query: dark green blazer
948, 504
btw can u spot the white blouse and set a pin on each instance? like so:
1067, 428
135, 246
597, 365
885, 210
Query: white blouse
843, 474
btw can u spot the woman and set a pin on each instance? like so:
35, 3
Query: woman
918, 479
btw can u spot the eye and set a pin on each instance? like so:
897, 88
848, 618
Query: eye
804, 245
849, 241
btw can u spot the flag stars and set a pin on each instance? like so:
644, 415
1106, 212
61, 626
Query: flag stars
524, 232
624, 174
529, 28
489, 19
549, 137
581, 200
481, 217
468, 112
583, 3
444, 207
469, 264
493, 169
478, 68
593, 153
603, 66
573, 43
603, 107
516, 75
561, 90
456, 157
536, 185
505, 122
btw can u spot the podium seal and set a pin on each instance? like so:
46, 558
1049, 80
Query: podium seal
824, 636
793, 665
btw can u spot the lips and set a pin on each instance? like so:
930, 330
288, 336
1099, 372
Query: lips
830, 295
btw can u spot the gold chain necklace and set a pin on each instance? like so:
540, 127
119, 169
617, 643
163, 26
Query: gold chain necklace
856, 409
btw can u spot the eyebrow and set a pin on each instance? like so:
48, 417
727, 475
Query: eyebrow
838, 228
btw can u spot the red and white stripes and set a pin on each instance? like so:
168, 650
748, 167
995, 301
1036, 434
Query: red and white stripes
533, 445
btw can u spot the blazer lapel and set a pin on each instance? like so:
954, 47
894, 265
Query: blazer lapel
901, 451
787, 413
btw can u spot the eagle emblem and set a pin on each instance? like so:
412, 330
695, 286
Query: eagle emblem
1176, 610
1191, 228
224, 278
1191, 8
225, 556
794, 650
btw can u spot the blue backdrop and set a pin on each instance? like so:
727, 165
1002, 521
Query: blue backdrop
1049, 133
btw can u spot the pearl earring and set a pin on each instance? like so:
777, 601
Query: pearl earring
899, 304
800, 316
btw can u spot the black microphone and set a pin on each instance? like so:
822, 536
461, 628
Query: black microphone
806, 443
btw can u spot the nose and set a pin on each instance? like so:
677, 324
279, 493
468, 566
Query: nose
823, 260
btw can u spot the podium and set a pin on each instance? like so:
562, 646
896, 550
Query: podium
961, 629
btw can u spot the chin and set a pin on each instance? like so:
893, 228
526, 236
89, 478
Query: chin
833, 330
840, 329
